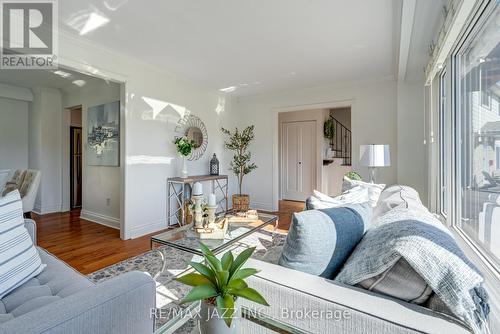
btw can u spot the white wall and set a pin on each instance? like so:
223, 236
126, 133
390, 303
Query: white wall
45, 137
13, 134
100, 184
374, 120
148, 154
411, 135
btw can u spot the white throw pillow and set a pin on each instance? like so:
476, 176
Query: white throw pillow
352, 196
19, 257
374, 190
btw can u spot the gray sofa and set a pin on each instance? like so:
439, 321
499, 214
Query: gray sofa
298, 298
61, 300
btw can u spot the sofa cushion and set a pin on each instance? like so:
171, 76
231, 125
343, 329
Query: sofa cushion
57, 281
397, 195
374, 190
319, 200
400, 281
319, 241
18, 256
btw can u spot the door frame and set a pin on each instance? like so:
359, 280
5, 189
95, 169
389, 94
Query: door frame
71, 167
344, 103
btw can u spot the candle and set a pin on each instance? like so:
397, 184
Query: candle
197, 189
211, 200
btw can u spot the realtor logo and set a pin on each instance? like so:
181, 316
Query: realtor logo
28, 34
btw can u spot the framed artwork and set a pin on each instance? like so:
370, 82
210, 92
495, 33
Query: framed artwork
103, 135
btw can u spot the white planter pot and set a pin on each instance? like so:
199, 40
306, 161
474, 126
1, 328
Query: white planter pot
211, 323
184, 171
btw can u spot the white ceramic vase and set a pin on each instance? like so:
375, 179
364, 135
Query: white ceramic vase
211, 323
184, 171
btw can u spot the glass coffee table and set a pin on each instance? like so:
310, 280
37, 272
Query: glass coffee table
184, 318
185, 238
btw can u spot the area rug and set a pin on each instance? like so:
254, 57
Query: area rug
165, 263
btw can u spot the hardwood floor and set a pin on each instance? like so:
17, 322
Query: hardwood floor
87, 246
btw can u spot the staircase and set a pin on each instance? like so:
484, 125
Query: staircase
341, 143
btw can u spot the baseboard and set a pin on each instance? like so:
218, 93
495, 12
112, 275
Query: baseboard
100, 219
139, 231
41, 210
261, 206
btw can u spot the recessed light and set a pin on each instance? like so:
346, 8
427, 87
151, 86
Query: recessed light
228, 89
79, 83
62, 74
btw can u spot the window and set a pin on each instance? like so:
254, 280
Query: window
443, 181
477, 79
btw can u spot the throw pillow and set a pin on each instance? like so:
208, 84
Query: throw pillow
19, 257
15, 182
319, 241
374, 190
322, 201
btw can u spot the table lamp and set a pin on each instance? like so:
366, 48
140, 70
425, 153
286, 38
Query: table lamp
374, 156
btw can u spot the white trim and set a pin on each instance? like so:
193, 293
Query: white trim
147, 228
407, 18
46, 208
261, 206
100, 219
450, 34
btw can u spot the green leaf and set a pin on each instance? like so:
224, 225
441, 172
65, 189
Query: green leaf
222, 277
205, 271
205, 250
227, 261
244, 273
237, 284
213, 262
250, 294
240, 260
194, 279
200, 292
225, 308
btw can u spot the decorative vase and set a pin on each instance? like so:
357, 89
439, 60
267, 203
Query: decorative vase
211, 323
241, 203
184, 171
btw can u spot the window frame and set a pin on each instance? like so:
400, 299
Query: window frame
477, 22
443, 101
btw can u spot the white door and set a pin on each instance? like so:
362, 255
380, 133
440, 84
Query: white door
298, 156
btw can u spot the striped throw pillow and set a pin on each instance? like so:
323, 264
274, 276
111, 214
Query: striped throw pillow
19, 258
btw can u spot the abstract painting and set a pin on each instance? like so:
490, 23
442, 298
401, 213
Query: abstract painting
103, 135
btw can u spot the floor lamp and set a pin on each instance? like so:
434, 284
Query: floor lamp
374, 156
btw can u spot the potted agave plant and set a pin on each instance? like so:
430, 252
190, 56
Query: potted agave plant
218, 285
240, 165
184, 148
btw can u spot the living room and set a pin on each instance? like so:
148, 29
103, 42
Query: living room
149, 154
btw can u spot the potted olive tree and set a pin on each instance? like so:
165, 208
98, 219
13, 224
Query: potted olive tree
238, 141
218, 285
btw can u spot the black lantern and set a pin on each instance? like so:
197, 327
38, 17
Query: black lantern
214, 165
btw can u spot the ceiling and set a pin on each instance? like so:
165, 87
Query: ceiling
254, 46
250, 47
61, 79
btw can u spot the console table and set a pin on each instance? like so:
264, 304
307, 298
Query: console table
176, 194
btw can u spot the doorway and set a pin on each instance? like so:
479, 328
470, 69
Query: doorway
298, 157
75, 157
75, 167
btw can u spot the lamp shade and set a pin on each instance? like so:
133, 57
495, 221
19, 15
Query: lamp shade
374, 155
